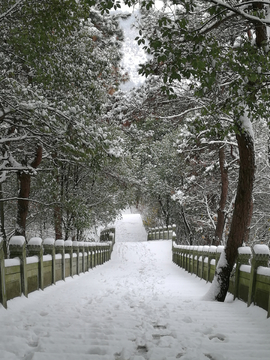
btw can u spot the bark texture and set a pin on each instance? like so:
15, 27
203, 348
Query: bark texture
24, 179
223, 197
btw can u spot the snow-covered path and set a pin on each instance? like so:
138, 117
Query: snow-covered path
137, 306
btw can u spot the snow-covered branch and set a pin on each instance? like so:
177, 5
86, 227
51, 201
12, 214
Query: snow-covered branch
237, 9
11, 9
181, 114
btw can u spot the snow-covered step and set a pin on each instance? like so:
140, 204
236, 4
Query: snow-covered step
138, 306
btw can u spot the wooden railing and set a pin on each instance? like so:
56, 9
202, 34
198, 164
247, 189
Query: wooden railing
250, 280
107, 235
161, 233
39, 264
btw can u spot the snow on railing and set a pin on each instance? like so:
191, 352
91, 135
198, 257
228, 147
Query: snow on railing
250, 279
162, 233
39, 264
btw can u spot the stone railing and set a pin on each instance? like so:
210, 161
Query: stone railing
107, 235
39, 264
250, 280
162, 233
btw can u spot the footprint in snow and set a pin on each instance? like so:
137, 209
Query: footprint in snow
159, 326
142, 349
187, 320
218, 337
33, 343
43, 313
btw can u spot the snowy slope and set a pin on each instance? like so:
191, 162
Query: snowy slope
130, 228
138, 306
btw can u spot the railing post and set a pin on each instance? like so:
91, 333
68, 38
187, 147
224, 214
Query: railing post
49, 249
98, 254
205, 255
86, 249
69, 250
3, 293
244, 255
76, 251
35, 248
91, 256
100, 247
81, 249
200, 249
101, 254
183, 257
179, 252
175, 254
189, 254
17, 248
211, 255
104, 253
195, 258
59, 249
260, 258
94, 258
187, 258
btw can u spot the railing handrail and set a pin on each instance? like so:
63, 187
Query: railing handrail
66, 259
250, 280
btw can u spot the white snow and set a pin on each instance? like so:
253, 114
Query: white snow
32, 259
244, 250
17, 240
212, 249
261, 249
245, 268
12, 262
133, 54
49, 241
47, 257
220, 248
137, 306
130, 228
263, 271
68, 243
59, 242
246, 123
37, 241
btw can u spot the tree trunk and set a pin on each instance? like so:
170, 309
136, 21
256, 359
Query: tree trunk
241, 215
58, 208
24, 179
58, 221
187, 226
223, 197
2, 216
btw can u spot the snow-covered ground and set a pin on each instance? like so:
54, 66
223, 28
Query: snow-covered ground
130, 228
137, 306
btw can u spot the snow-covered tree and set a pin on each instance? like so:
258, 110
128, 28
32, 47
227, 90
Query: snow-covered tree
60, 65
